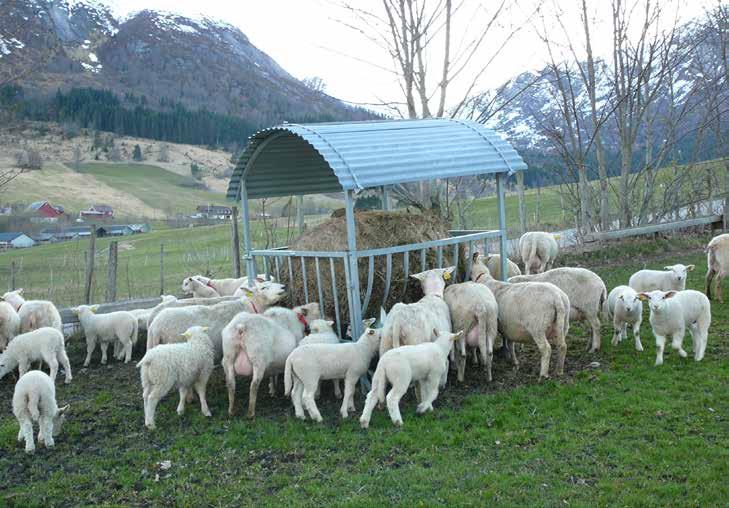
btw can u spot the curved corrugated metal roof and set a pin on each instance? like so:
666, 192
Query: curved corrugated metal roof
293, 159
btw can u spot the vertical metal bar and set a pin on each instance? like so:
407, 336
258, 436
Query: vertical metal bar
350, 301
250, 263
370, 278
336, 297
353, 283
405, 267
388, 277
439, 256
304, 279
455, 258
278, 268
318, 283
500, 180
13, 271
300, 213
469, 261
423, 265
386, 198
485, 250
161, 269
236, 242
291, 281
265, 267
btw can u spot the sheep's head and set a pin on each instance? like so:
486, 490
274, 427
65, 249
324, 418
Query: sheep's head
321, 326
268, 293
168, 298
59, 419
680, 272
479, 270
630, 299
14, 298
371, 335
82, 309
657, 300
195, 331
433, 282
310, 311
187, 285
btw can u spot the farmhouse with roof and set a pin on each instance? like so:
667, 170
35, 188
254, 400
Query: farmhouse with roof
215, 212
15, 241
97, 212
44, 211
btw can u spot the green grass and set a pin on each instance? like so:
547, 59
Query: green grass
625, 433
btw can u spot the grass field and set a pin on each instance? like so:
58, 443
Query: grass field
624, 433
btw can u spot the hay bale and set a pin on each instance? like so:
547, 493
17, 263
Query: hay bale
375, 229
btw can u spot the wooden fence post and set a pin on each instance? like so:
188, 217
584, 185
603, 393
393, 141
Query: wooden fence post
236, 244
300, 213
12, 276
90, 265
522, 208
161, 269
111, 274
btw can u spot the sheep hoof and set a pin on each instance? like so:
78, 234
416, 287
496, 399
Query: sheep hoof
30, 450
639, 348
251, 415
398, 423
301, 417
67, 381
150, 426
345, 416
682, 353
364, 423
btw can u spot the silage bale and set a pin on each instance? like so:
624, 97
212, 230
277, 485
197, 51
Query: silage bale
375, 229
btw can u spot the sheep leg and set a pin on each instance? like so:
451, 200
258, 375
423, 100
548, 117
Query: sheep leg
230, 383
318, 391
296, 397
23, 367
310, 404
183, 396
46, 431
103, 346
63, 359
460, 366
348, 399
153, 398
719, 278
595, 325
393, 400
253, 392
512, 353
677, 343
370, 403
545, 350
26, 428
53, 364
430, 392
337, 389
117, 350
487, 354
272, 386
660, 346
90, 347
636, 335
127, 349
201, 388
618, 328
710, 274
475, 356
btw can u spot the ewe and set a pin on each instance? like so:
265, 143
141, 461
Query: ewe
9, 324
44, 344
192, 286
625, 308
586, 291
671, 278
529, 311
538, 251
34, 400
413, 323
33, 314
311, 363
717, 260
186, 365
671, 313
425, 364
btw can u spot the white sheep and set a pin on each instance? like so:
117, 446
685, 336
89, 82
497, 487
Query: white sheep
229, 287
169, 325
194, 287
296, 320
33, 314
322, 332
187, 302
538, 251
529, 311
717, 262
425, 364
34, 400
474, 310
309, 364
106, 329
625, 308
671, 278
9, 324
413, 323
493, 263
185, 365
586, 291
44, 344
142, 316
255, 346
671, 313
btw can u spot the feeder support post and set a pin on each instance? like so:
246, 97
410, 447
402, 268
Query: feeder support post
353, 282
251, 271
500, 177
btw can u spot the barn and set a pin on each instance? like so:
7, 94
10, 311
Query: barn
15, 241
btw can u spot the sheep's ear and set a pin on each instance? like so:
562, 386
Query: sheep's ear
63, 409
670, 294
260, 279
94, 308
643, 296
417, 276
668, 267
205, 328
330, 323
368, 322
475, 256
690, 268
186, 334
448, 272
371, 331
457, 336
435, 332
247, 291
383, 315
18, 291
621, 297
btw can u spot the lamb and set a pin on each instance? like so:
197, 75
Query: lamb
409, 324
311, 363
586, 291
425, 364
192, 286
44, 344
473, 309
295, 320
33, 314
142, 316
9, 324
169, 325
106, 329
671, 313
322, 332
255, 346
625, 308
538, 251
671, 278
186, 366
228, 287
529, 311
34, 399
187, 302
493, 263
717, 261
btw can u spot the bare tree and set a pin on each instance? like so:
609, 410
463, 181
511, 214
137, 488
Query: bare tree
77, 158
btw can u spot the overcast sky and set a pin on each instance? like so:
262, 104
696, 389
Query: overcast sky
307, 38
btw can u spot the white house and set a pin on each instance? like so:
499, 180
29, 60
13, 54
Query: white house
15, 240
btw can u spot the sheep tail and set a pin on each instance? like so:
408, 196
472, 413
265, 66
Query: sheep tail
33, 399
144, 361
534, 250
379, 383
604, 304
135, 333
288, 377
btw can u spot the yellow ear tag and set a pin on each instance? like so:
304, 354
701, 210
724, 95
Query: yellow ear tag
446, 276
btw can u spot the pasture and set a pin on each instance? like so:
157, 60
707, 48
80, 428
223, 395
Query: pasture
621, 433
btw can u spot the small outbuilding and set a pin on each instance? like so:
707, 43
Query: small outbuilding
15, 241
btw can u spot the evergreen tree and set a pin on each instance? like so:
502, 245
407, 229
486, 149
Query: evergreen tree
137, 154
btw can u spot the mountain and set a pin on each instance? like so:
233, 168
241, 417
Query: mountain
200, 63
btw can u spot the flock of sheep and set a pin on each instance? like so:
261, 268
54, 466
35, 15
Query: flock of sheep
240, 327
